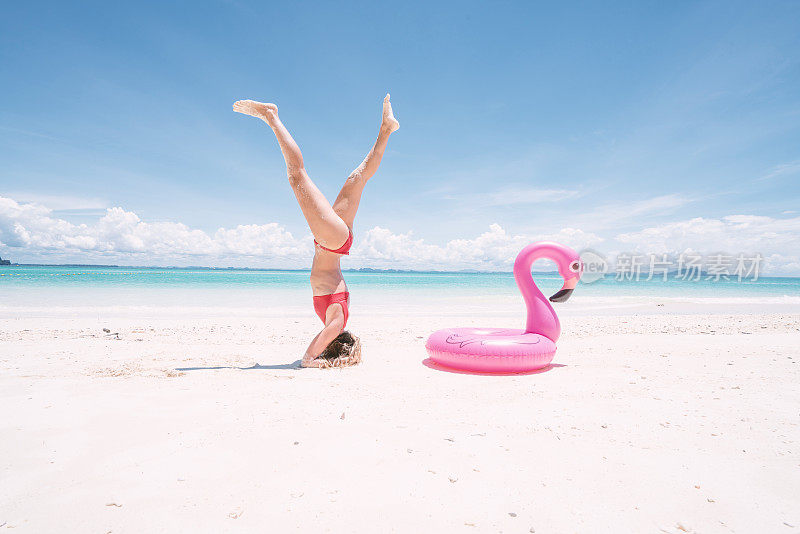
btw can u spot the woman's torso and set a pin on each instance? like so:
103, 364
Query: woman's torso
326, 273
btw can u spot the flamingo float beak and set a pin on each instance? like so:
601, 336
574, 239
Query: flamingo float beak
563, 294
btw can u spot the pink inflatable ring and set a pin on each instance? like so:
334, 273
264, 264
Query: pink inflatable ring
496, 350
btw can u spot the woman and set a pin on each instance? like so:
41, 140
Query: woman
332, 226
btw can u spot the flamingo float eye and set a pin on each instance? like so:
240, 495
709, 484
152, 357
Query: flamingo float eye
575, 266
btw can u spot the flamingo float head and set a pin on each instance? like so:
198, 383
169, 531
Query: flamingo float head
570, 268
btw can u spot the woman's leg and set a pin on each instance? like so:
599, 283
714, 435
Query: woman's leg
328, 228
346, 204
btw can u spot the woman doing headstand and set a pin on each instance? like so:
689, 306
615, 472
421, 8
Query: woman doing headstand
332, 226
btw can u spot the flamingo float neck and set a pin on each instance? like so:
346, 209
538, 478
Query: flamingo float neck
542, 319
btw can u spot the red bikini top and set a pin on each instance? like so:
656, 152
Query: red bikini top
344, 250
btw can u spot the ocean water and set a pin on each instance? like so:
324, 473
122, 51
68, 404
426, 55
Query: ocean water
81, 285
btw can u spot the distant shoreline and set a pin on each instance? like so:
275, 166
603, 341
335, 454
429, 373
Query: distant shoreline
365, 270
197, 267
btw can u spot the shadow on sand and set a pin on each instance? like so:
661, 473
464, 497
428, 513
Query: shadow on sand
427, 362
258, 366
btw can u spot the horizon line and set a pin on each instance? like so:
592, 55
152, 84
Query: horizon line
360, 270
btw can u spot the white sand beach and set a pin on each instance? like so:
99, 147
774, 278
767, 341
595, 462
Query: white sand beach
674, 418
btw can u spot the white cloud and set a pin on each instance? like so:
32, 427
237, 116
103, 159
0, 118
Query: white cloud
657, 205
33, 233
262, 240
608, 215
120, 234
506, 196
778, 240
511, 196
59, 202
793, 167
492, 250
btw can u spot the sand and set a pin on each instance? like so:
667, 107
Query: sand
656, 419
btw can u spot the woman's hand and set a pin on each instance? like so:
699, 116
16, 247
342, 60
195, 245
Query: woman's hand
312, 362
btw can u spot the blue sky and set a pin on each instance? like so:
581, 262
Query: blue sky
611, 125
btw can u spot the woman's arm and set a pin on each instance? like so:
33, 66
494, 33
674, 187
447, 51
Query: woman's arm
333, 327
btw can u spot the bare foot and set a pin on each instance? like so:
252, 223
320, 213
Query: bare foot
265, 112
389, 122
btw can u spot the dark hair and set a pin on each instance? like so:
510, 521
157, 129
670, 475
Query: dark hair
339, 347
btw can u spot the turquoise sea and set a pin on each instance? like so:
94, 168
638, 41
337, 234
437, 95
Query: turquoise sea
68, 285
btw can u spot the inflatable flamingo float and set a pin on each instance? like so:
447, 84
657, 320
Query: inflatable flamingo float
511, 350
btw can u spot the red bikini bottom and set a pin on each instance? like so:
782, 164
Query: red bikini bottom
323, 302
